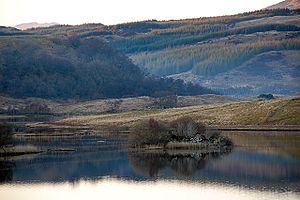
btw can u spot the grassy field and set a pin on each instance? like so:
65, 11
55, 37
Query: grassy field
278, 112
101, 106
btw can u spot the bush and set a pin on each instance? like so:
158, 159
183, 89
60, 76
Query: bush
266, 96
148, 132
5, 135
186, 127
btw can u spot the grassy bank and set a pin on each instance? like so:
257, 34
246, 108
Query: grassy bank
278, 112
101, 106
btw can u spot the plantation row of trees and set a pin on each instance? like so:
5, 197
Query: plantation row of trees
155, 42
150, 25
72, 67
232, 19
168, 47
131, 37
211, 58
190, 31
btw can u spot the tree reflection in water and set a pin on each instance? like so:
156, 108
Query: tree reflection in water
6, 171
182, 163
148, 164
187, 165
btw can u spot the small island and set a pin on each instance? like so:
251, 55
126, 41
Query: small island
181, 134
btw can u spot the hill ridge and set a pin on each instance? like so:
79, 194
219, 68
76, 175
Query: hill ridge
289, 4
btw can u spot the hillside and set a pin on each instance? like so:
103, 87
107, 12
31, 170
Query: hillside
289, 4
233, 55
10, 105
8, 31
64, 67
202, 50
190, 53
275, 71
275, 112
74, 67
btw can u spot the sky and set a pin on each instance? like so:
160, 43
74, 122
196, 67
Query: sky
108, 12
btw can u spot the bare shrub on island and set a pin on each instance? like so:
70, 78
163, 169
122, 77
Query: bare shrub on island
148, 132
186, 127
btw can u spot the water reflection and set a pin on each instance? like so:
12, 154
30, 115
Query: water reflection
92, 160
6, 171
182, 163
122, 189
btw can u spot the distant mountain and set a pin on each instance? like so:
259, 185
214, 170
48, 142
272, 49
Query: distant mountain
290, 4
26, 26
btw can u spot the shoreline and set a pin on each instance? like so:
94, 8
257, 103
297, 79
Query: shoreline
262, 128
67, 131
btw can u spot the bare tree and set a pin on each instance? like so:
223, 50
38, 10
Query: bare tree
186, 127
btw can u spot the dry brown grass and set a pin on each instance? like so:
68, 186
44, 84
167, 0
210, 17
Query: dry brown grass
285, 111
101, 106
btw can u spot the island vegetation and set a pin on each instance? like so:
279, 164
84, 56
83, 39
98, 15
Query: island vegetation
182, 133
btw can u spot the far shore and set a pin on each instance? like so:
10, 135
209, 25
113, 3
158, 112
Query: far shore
262, 128
25, 151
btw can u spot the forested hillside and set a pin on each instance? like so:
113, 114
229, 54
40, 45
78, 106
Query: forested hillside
211, 51
74, 67
203, 50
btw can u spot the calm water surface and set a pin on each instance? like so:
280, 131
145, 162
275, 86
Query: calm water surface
261, 166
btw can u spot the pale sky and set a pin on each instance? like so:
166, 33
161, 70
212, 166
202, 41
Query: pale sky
13, 12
